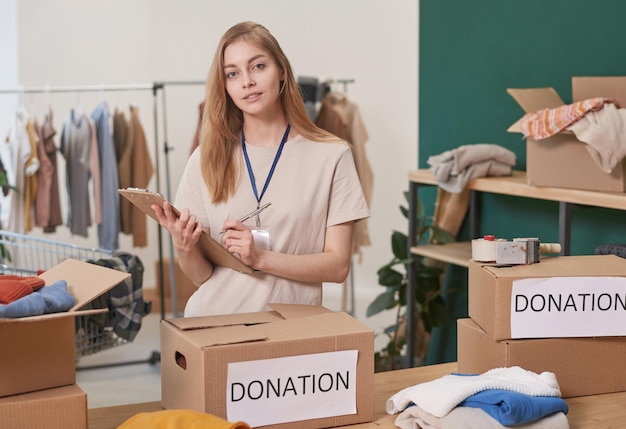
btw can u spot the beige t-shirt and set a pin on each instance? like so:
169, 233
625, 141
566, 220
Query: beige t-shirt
314, 186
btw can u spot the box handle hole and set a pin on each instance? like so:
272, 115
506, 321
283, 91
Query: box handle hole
181, 360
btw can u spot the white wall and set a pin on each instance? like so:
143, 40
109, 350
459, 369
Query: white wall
375, 42
8, 54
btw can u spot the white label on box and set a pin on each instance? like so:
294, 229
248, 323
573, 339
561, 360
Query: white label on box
568, 307
294, 388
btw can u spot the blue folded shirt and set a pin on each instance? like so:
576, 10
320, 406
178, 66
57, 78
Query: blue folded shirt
512, 408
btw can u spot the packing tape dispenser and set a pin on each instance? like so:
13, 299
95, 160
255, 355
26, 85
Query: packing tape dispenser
517, 251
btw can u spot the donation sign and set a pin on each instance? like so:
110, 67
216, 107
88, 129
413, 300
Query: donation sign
294, 388
568, 307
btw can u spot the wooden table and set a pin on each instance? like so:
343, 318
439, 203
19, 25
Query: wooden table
588, 412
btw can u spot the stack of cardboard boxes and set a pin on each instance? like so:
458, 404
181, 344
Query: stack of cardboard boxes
37, 362
566, 315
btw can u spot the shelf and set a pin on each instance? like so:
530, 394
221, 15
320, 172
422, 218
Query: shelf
517, 185
458, 253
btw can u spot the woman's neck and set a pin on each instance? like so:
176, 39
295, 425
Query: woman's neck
262, 133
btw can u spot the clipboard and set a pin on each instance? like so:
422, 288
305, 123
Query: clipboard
211, 248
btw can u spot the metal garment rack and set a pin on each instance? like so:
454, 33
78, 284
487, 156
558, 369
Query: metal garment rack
160, 86
155, 355
155, 87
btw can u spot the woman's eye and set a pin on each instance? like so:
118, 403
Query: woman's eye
259, 66
230, 74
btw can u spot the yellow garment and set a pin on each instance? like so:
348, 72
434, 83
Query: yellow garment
179, 419
30, 180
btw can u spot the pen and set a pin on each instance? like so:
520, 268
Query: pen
251, 214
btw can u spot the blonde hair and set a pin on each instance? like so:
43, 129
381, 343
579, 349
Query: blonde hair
222, 120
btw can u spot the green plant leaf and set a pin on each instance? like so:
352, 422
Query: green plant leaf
387, 276
391, 329
441, 236
399, 243
384, 301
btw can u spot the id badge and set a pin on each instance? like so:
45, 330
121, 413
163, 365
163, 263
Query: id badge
261, 235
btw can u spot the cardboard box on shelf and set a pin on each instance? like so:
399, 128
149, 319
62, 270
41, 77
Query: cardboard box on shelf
564, 296
57, 408
583, 366
562, 160
38, 352
297, 366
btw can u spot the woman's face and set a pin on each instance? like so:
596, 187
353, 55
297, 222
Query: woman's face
252, 78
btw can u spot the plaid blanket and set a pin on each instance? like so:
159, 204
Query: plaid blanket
125, 301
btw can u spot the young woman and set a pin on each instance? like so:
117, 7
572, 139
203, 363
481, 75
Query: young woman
258, 146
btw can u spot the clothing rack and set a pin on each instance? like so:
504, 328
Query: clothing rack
155, 87
160, 86
344, 82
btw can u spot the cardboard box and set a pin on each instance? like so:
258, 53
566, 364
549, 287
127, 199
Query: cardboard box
309, 367
562, 160
58, 408
494, 307
583, 366
39, 352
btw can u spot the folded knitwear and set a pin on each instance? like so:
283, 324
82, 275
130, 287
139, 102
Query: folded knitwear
54, 298
453, 169
513, 408
438, 397
14, 287
470, 418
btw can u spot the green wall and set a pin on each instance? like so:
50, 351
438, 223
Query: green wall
470, 52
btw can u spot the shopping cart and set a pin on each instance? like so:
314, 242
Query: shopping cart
24, 255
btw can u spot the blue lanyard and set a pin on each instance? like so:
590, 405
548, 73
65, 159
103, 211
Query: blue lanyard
269, 176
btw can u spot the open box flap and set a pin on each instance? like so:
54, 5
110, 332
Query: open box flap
293, 311
281, 312
85, 281
313, 327
218, 321
226, 335
533, 100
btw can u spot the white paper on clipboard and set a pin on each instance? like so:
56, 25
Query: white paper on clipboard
211, 248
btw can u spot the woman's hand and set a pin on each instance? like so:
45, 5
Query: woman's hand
238, 239
184, 229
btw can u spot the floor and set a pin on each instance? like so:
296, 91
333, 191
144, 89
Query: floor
128, 373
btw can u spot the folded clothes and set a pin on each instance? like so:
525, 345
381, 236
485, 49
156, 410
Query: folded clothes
453, 169
30, 305
439, 396
470, 418
54, 298
513, 408
14, 287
